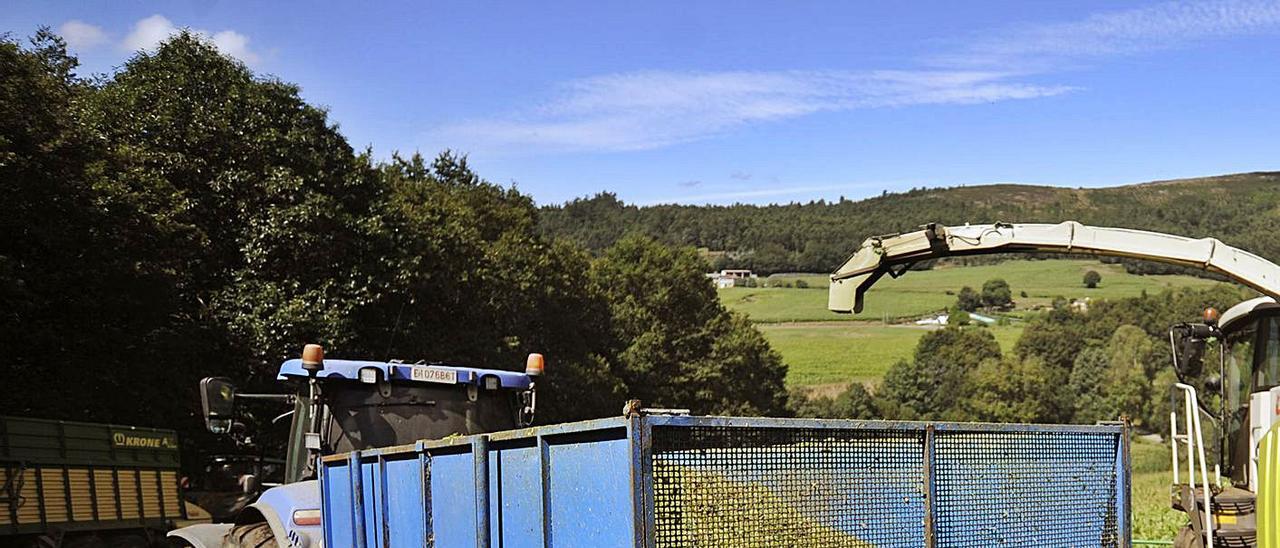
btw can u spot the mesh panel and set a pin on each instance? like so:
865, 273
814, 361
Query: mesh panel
798, 487
1025, 489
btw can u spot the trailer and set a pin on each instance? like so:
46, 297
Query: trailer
64, 481
677, 480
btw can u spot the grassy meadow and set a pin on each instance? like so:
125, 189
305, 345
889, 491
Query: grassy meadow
924, 292
826, 350
835, 353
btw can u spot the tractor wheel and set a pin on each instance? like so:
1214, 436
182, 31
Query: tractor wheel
250, 535
1187, 538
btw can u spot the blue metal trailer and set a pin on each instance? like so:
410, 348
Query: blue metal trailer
665, 481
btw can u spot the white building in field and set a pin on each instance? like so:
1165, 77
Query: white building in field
730, 277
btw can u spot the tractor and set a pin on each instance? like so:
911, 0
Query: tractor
337, 406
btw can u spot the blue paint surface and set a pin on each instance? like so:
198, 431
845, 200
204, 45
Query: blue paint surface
453, 500
577, 484
590, 494
350, 370
515, 477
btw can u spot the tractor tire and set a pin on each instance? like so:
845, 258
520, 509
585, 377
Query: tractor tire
1187, 538
250, 535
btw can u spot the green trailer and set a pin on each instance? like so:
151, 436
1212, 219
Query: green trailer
84, 484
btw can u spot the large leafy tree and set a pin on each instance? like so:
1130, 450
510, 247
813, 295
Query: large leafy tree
462, 276
929, 385
262, 201
677, 345
1011, 390
87, 289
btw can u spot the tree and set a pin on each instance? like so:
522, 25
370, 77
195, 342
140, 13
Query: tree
996, 293
1011, 390
1133, 356
185, 199
1056, 337
1092, 279
855, 402
958, 317
676, 344
968, 300
1088, 386
265, 208
87, 286
925, 387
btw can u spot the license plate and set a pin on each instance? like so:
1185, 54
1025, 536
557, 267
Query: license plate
431, 374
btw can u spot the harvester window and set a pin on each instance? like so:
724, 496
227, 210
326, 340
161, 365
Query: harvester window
1266, 374
1239, 366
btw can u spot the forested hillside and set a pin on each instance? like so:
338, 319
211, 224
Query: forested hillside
1242, 210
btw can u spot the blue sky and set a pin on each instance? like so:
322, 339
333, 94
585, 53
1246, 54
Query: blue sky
719, 102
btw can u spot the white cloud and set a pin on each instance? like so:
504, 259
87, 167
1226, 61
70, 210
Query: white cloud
149, 32
81, 35
236, 45
1120, 32
643, 110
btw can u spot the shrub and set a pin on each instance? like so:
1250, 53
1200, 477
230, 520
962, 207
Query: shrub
1092, 279
996, 293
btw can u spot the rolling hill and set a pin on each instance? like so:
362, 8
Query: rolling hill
1242, 210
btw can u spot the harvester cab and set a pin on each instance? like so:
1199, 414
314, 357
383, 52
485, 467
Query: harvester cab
1240, 395
340, 406
1244, 410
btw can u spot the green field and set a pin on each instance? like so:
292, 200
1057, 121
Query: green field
840, 352
824, 349
924, 292
1153, 518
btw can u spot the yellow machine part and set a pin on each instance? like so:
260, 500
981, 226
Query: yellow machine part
69, 495
1269, 489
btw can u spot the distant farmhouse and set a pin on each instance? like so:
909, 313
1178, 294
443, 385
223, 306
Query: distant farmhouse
730, 278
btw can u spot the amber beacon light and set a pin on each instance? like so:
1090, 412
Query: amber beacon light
535, 365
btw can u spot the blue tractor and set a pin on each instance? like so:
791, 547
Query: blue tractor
347, 405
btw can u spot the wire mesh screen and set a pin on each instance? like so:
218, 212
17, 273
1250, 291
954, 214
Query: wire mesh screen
733, 486
1025, 488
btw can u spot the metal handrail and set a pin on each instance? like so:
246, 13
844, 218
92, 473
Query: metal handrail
1194, 440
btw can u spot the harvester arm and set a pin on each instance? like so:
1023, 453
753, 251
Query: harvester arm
894, 254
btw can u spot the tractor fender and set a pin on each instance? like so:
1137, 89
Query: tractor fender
204, 535
276, 507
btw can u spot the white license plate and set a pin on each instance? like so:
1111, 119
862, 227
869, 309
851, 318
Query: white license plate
431, 374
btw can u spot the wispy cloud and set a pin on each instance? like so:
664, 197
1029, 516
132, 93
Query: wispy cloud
740, 176
652, 109
81, 35
689, 184
644, 110
149, 32
1119, 32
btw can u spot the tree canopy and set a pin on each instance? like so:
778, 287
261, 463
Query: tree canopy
184, 217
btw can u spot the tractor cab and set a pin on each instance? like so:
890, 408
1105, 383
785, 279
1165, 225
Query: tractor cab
345, 405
